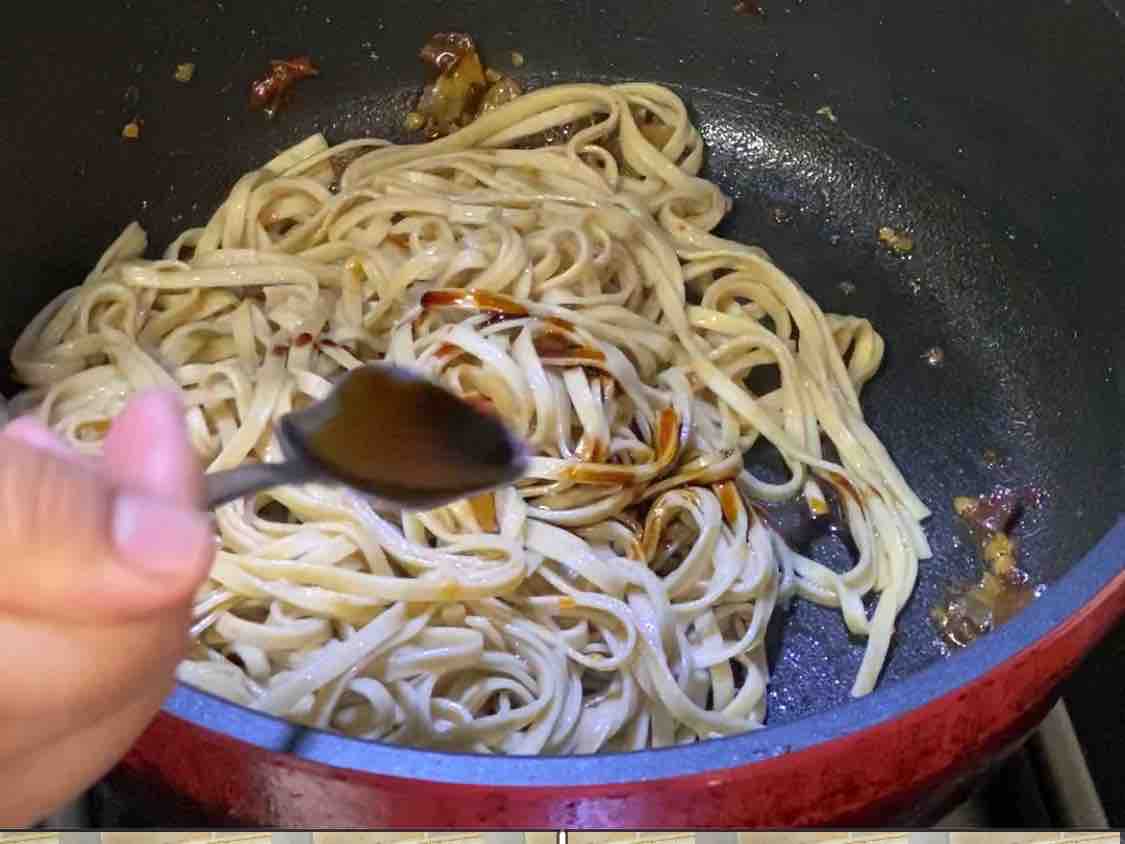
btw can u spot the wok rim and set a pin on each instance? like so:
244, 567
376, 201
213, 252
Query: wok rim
1068, 598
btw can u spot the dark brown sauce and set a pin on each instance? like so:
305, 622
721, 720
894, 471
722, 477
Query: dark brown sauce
391, 432
496, 318
577, 356
731, 503
845, 486
749, 7
478, 300
448, 351
823, 536
341, 161
601, 474
559, 323
556, 135
667, 435
557, 349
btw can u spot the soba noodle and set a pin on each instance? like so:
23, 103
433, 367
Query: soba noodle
615, 599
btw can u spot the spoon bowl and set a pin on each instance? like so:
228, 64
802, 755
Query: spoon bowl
389, 432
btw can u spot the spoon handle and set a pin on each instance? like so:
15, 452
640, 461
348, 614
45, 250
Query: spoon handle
229, 484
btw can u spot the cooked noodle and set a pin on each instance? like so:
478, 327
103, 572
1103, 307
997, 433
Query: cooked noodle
615, 599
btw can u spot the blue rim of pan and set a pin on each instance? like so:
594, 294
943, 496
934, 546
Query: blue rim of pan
1064, 599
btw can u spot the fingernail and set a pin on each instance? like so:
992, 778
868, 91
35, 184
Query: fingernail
30, 431
157, 537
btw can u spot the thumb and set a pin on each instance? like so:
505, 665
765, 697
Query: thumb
147, 450
75, 542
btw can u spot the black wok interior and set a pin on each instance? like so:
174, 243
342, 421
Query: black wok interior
985, 129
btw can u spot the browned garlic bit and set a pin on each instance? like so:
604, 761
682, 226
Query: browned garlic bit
462, 90
968, 611
273, 91
900, 242
749, 7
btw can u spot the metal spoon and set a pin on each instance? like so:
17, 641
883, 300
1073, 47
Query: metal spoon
388, 432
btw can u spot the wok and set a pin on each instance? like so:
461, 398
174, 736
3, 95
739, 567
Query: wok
992, 131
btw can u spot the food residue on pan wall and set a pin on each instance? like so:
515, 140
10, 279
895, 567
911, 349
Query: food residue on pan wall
826, 111
462, 89
274, 90
749, 7
934, 356
780, 216
899, 241
968, 611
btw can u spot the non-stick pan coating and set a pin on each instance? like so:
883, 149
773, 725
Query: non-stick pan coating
1024, 301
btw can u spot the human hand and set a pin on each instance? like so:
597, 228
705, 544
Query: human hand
99, 560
